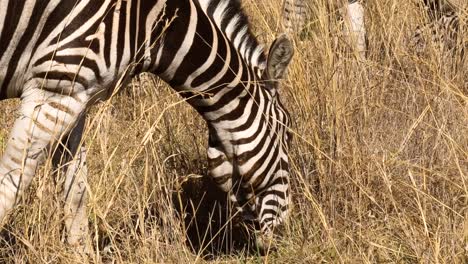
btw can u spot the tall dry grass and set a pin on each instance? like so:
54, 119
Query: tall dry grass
379, 160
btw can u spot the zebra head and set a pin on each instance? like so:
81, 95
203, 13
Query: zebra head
248, 149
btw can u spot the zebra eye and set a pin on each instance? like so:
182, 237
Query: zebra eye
289, 136
241, 158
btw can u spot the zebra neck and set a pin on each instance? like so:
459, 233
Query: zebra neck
213, 64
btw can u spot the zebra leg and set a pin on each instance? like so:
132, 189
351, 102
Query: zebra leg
44, 118
273, 207
219, 165
74, 193
221, 171
294, 16
76, 198
356, 29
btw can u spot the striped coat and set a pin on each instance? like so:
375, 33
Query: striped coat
61, 56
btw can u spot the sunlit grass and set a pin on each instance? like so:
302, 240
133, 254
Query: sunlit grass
379, 159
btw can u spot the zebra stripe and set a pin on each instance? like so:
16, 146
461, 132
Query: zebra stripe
61, 56
445, 28
295, 14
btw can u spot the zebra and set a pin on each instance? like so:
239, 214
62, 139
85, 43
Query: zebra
444, 28
443, 32
63, 56
294, 15
294, 20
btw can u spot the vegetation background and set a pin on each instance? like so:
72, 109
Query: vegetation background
379, 159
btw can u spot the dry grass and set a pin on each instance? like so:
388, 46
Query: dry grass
379, 161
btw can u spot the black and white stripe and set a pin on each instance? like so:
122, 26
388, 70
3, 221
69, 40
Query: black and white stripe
294, 15
295, 18
61, 56
444, 31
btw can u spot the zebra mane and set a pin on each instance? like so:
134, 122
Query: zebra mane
231, 19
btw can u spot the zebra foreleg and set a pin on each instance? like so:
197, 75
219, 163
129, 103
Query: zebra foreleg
76, 198
356, 30
74, 193
44, 119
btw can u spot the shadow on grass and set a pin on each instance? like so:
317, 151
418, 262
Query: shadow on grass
211, 226
203, 210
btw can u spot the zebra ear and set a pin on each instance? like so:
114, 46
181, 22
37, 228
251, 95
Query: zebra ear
279, 57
